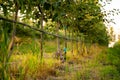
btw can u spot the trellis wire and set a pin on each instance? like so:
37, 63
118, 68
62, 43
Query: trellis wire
43, 31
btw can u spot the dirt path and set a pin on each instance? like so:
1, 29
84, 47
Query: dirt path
70, 69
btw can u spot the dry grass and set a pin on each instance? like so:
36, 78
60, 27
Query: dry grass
29, 67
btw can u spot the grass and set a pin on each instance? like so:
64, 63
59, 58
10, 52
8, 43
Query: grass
92, 63
100, 66
109, 72
24, 66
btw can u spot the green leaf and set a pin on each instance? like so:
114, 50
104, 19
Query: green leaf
47, 6
5, 10
55, 17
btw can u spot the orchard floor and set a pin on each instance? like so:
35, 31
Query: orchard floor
95, 65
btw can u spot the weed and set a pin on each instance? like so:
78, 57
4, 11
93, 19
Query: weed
109, 73
78, 76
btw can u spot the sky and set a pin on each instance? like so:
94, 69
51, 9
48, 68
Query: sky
114, 4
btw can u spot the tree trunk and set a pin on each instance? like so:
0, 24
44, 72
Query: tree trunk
58, 40
58, 53
41, 36
72, 43
11, 45
41, 42
65, 48
77, 44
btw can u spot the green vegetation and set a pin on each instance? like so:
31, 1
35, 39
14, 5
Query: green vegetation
100, 66
71, 45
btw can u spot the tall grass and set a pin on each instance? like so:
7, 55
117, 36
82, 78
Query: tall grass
100, 64
4, 75
28, 66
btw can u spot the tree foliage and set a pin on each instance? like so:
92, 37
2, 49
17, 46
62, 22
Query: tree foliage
83, 16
